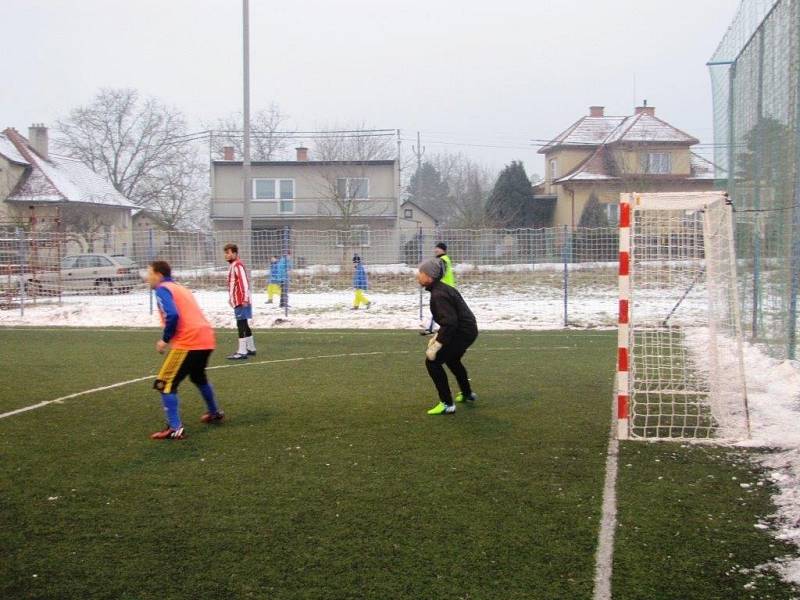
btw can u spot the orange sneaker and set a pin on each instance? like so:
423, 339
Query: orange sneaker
216, 417
169, 433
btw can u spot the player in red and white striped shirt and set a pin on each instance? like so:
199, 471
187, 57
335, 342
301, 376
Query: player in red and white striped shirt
239, 299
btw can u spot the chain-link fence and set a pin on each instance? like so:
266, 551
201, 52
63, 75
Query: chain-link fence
525, 278
755, 76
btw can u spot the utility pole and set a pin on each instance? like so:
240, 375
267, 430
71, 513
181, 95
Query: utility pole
247, 224
399, 184
419, 151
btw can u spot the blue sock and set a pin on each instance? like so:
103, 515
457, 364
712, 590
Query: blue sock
170, 402
208, 395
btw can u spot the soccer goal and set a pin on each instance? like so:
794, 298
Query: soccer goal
680, 368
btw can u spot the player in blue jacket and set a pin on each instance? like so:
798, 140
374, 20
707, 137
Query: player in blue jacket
273, 283
360, 283
282, 268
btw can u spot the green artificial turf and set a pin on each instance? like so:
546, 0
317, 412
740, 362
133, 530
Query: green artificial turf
329, 481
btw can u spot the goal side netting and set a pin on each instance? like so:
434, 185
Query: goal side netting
680, 367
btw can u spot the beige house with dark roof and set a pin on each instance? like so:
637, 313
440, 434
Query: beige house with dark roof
602, 156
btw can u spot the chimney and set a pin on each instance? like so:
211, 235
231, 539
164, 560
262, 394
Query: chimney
38, 139
227, 153
302, 153
646, 110
597, 111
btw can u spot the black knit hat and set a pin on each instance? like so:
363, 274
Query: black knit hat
442, 246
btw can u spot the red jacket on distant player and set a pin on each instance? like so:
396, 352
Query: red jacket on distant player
238, 285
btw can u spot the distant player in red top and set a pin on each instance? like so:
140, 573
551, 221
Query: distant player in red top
239, 299
190, 340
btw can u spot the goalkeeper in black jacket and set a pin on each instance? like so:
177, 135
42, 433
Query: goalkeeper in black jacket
457, 332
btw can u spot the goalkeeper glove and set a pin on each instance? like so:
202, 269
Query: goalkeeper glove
434, 345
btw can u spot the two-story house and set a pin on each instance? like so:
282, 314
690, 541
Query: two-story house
39, 188
354, 202
601, 156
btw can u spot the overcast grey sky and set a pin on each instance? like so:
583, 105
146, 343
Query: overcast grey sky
473, 74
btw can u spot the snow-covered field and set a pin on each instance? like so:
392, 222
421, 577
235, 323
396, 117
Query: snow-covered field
539, 308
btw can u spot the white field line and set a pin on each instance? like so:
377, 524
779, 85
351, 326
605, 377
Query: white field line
604, 560
17, 411
112, 386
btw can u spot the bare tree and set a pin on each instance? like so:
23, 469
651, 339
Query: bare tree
142, 147
269, 140
178, 198
354, 142
85, 225
470, 184
345, 191
343, 179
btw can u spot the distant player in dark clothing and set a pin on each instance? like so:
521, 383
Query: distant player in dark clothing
458, 330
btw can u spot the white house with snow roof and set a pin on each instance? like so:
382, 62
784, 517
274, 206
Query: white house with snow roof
35, 182
600, 156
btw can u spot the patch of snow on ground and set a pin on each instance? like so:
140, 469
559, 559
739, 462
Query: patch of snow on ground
774, 398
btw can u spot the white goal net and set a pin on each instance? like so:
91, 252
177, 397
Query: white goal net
680, 365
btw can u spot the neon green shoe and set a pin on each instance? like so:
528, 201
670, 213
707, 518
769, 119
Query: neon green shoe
471, 398
442, 409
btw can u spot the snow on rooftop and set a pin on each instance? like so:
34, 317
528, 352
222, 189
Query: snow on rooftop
10, 151
647, 128
589, 131
595, 131
80, 184
61, 179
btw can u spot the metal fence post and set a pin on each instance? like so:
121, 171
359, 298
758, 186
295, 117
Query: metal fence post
419, 261
757, 179
794, 284
151, 256
286, 247
22, 260
566, 253
795, 272
59, 238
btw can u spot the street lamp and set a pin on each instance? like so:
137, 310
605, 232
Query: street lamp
247, 225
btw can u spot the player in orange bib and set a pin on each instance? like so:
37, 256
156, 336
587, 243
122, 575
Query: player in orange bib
189, 338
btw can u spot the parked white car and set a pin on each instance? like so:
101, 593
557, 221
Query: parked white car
87, 273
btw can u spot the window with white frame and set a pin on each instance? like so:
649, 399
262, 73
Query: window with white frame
287, 196
408, 213
357, 237
656, 163
553, 169
275, 190
354, 188
612, 213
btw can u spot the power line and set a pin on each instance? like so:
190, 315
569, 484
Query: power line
766, 210
378, 133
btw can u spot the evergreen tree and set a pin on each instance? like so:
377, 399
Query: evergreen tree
511, 197
428, 190
594, 214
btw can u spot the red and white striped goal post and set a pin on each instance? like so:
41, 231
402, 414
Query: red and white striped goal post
623, 335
